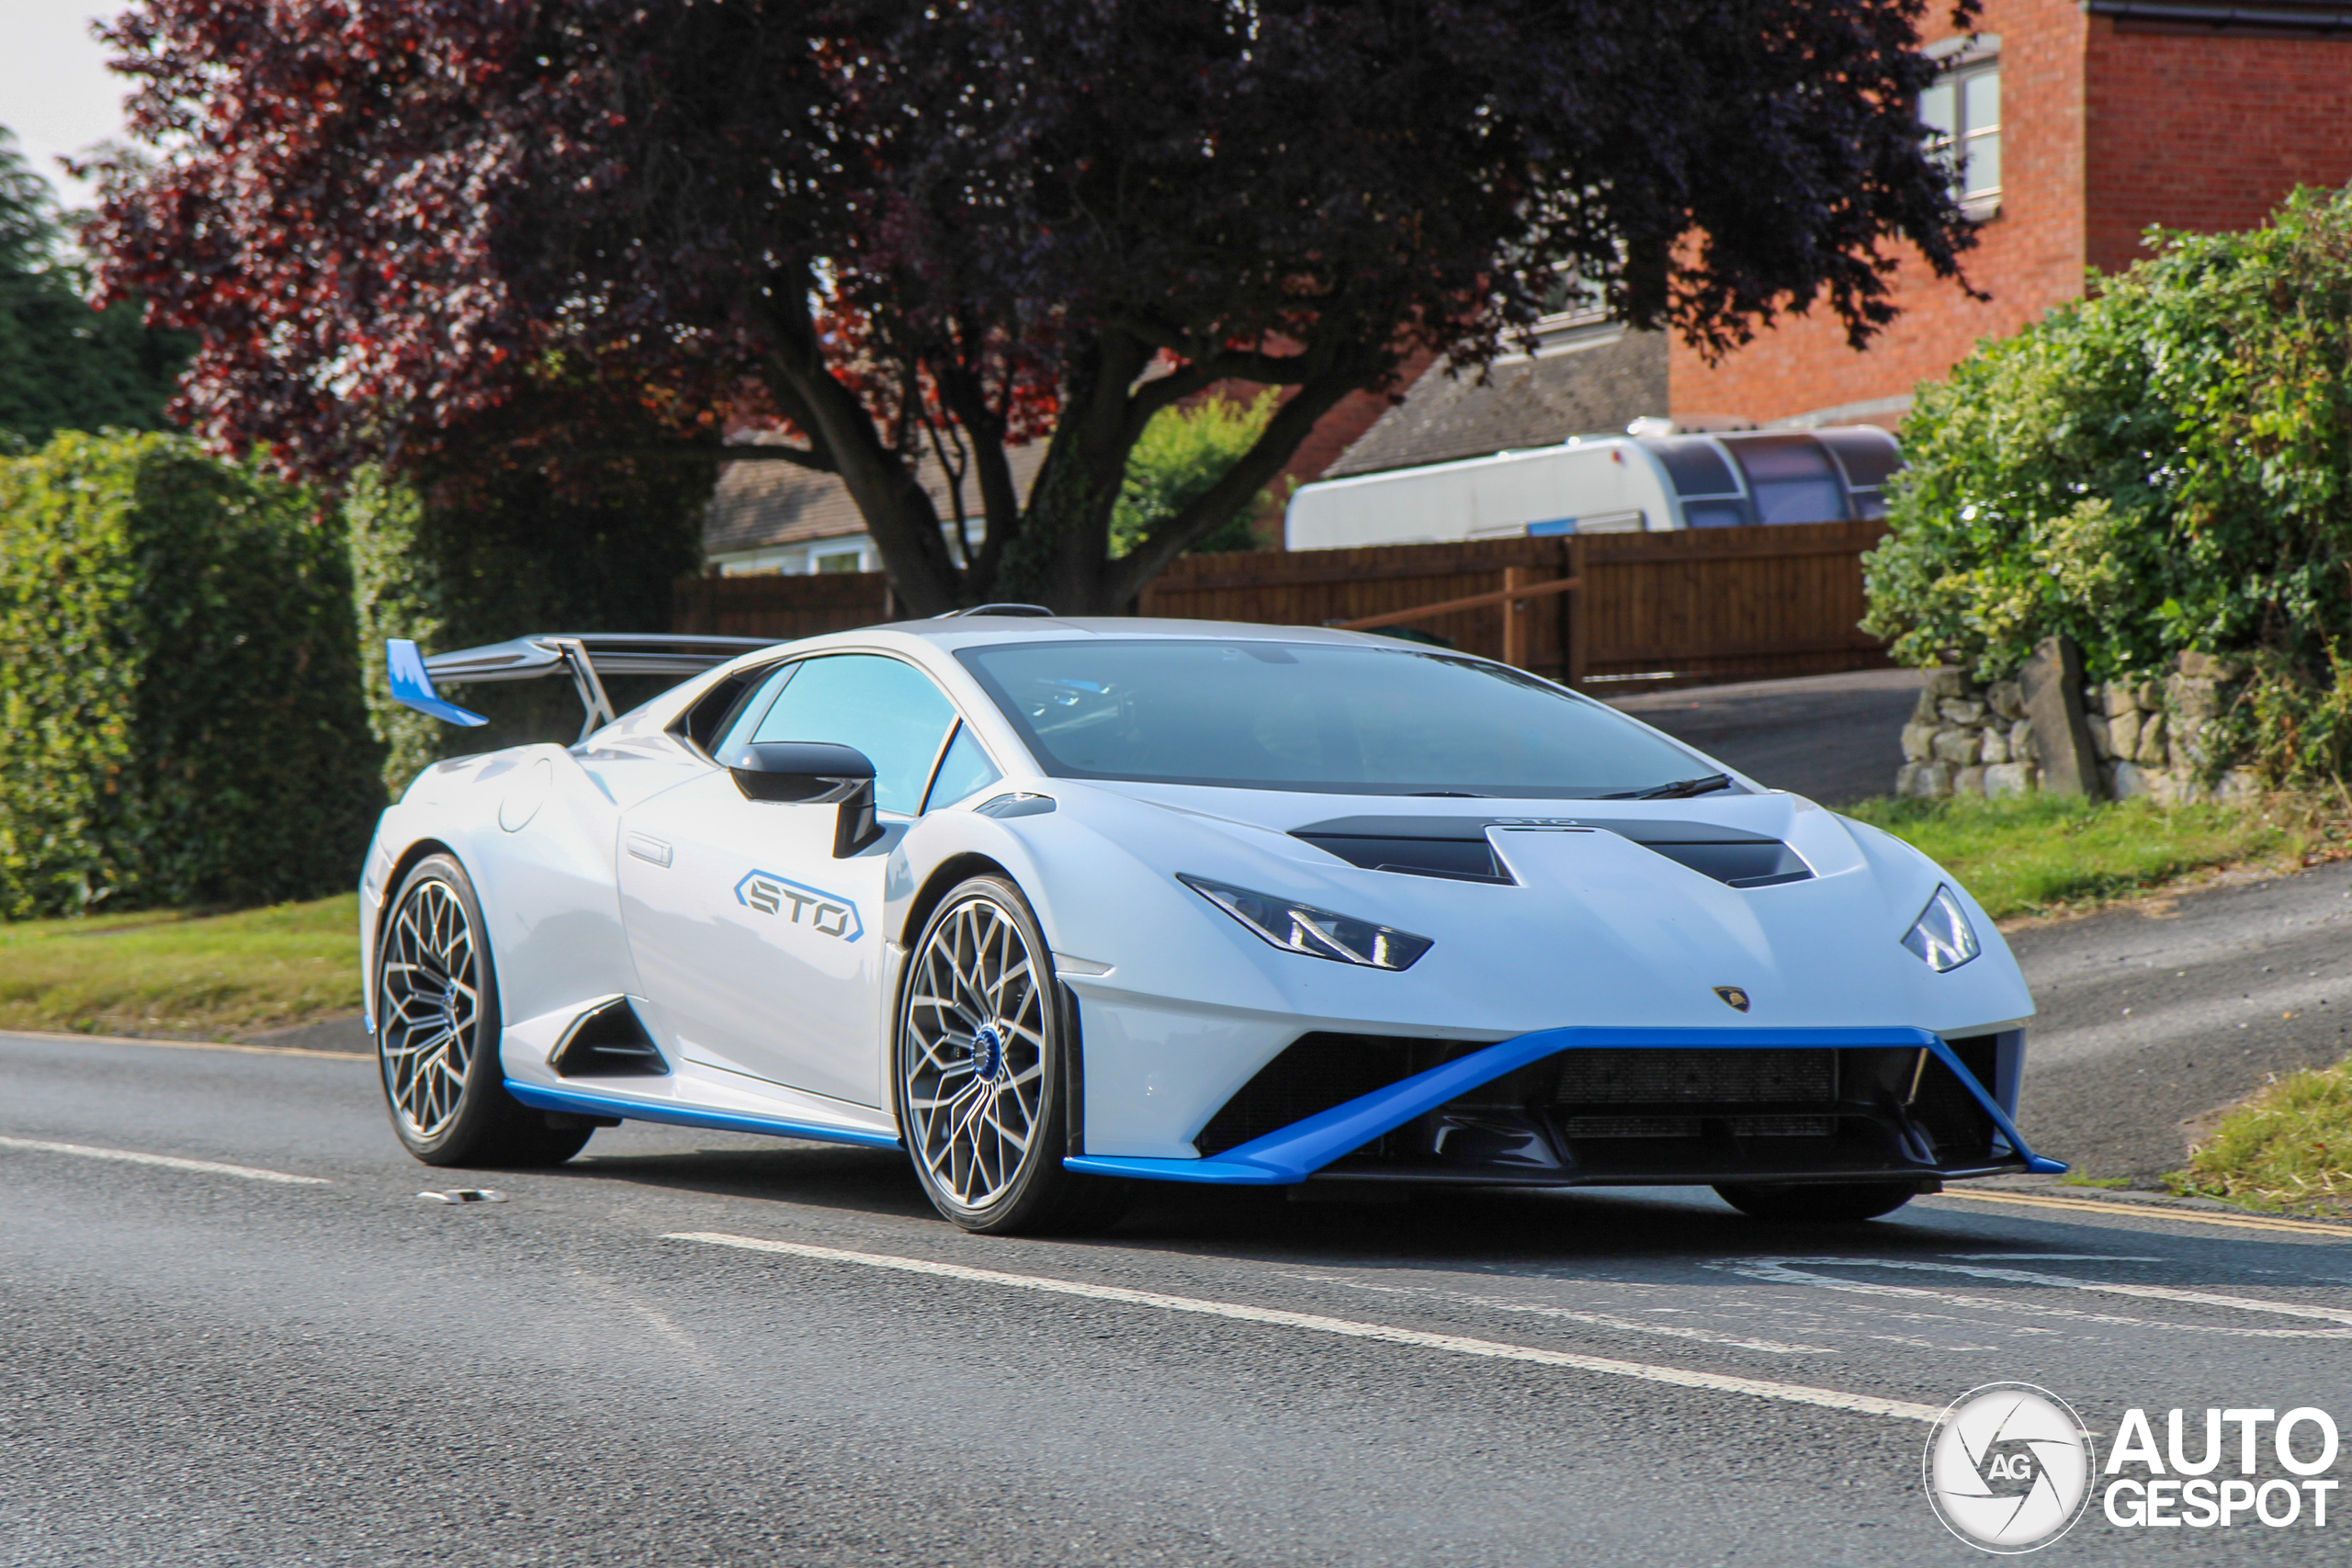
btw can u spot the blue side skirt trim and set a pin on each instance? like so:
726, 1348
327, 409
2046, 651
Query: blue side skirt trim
1293, 1154
541, 1099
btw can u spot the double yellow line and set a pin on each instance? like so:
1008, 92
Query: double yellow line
2154, 1211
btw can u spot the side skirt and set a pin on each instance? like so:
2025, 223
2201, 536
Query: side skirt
581, 1104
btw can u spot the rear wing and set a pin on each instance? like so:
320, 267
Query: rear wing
585, 658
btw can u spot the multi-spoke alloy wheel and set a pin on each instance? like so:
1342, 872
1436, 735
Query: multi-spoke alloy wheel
430, 1006
979, 1068
436, 1033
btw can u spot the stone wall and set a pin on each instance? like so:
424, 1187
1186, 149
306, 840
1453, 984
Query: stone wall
1968, 738
2150, 737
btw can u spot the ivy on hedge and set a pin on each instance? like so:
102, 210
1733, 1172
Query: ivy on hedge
2163, 466
179, 685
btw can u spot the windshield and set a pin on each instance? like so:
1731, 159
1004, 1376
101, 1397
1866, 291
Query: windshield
1315, 716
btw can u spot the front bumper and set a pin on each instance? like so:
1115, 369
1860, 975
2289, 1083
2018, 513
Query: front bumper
1493, 1116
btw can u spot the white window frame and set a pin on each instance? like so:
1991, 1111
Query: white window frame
1966, 60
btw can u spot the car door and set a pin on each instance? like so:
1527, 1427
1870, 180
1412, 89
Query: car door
763, 951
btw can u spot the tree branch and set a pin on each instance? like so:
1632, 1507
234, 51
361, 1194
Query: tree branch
1250, 473
896, 509
1000, 503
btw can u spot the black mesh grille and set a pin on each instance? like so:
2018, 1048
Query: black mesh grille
1313, 1073
1955, 1121
1693, 1077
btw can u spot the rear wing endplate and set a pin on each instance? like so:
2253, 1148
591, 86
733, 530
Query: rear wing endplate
586, 659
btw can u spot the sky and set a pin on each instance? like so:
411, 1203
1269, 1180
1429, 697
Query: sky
55, 91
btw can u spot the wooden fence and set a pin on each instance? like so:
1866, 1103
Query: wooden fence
1684, 608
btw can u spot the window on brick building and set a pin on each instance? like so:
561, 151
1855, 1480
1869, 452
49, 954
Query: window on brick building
1963, 112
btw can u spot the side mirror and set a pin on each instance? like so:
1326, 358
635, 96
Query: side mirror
813, 772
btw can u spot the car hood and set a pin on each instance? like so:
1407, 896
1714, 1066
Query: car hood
1631, 913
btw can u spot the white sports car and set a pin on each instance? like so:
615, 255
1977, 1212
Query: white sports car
1057, 905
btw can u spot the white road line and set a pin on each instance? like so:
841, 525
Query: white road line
169, 1162
1784, 1272
1760, 1388
1595, 1319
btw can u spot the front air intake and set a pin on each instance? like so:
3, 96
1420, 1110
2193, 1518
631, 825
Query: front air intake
609, 1041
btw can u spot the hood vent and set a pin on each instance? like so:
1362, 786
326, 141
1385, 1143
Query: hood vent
1456, 849
1456, 859
609, 1041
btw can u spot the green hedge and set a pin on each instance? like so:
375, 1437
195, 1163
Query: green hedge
487, 543
179, 685
2166, 466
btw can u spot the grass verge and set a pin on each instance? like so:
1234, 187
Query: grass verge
2050, 854
195, 977
2288, 1148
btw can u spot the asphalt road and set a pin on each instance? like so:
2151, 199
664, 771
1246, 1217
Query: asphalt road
691, 1348
2155, 1014
1834, 738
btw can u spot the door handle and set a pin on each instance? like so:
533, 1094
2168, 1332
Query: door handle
646, 847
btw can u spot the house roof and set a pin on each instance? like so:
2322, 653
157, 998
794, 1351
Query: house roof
1590, 382
767, 503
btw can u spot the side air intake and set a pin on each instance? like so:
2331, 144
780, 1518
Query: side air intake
609, 1041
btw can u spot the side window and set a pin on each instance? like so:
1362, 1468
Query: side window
889, 710
716, 709
965, 772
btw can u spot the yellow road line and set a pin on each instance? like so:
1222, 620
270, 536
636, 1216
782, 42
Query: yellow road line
187, 1045
2154, 1211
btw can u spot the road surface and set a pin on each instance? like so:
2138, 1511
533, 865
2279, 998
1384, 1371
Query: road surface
233, 1333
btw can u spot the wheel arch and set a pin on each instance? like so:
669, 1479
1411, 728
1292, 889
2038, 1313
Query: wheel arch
407, 861
949, 873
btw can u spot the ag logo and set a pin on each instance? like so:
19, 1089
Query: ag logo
823, 912
2009, 1467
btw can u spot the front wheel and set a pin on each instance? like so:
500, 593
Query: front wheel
437, 1028
980, 1071
1828, 1203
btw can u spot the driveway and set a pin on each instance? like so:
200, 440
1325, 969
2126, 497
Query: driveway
2154, 1013
1834, 738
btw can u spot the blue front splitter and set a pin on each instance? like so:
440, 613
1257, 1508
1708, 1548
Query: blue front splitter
1293, 1152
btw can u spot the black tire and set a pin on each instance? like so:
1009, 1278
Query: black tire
437, 1029
1826, 1202
961, 1054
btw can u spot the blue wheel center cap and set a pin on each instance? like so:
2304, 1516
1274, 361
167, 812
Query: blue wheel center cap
988, 1052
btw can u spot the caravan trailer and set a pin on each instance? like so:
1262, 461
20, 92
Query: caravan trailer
1615, 484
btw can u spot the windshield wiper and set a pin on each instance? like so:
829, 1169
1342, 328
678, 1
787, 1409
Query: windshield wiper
1706, 783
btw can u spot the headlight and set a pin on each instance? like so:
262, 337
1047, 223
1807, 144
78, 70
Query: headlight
1941, 936
1317, 933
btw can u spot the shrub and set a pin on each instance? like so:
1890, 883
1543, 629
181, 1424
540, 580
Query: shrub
493, 538
1182, 452
2164, 466
179, 684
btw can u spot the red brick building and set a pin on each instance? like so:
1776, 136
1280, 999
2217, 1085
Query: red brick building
2084, 124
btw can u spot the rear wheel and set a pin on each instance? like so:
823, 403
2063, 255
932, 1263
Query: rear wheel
980, 1071
437, 1028
1831, 1202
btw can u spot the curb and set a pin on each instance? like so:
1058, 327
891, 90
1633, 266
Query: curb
184, 1045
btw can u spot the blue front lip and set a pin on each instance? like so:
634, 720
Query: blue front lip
1296, 1152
